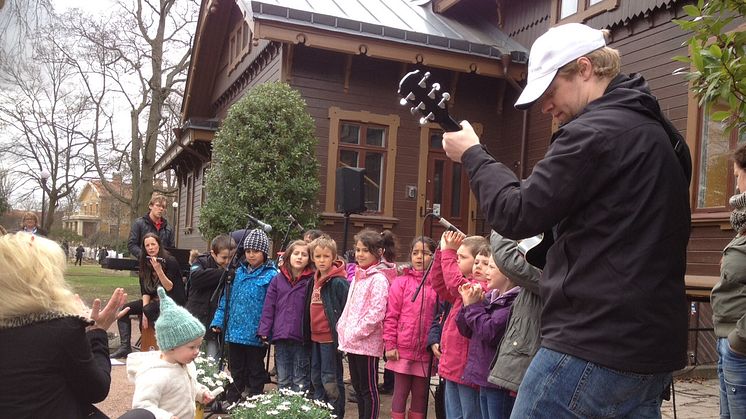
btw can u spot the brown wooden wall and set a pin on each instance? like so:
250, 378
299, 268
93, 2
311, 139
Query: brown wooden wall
320, 77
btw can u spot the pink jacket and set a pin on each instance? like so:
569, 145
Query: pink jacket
454, 347
407, 323
360, 327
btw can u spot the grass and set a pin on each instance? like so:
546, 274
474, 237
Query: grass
92, 281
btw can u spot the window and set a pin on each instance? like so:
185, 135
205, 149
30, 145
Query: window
363, 145
189, 210
362, 139
715, 182
239, 45
565, 11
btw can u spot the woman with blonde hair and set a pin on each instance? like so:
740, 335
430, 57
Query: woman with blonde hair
53, 350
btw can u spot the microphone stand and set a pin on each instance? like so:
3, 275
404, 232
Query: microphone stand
224, 286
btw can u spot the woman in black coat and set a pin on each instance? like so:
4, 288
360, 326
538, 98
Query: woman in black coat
157, 269
54, 353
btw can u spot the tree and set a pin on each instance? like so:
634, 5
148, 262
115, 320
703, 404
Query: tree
263, 163
42, 115
717, 57
6, 189
138, 56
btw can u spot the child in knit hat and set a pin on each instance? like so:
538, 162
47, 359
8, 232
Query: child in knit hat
166, 380
239, 321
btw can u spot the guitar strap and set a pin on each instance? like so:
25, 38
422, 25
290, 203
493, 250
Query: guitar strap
680, 147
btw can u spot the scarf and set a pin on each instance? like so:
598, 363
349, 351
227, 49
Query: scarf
738, 215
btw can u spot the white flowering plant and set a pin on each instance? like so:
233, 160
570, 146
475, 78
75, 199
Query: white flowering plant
281, 404
208, 373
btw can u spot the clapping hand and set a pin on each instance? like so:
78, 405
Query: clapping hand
451, 240
110, 313
471, 293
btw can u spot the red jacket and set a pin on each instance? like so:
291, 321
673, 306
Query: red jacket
407, 323
454, 347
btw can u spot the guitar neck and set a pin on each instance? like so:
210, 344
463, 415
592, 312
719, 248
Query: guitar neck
450, 125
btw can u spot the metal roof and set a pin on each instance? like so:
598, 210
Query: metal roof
404, 21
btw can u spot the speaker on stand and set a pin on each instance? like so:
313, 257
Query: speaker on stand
350, 196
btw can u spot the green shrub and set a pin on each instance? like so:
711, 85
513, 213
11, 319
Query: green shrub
263, 163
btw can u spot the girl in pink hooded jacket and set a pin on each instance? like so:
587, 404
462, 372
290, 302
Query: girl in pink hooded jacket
360, 327
405, 332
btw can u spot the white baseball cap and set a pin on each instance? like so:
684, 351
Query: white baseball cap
558, 46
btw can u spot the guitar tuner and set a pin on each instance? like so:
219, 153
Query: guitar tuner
422, 97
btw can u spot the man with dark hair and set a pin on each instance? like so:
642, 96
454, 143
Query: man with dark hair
152, 222
613, 190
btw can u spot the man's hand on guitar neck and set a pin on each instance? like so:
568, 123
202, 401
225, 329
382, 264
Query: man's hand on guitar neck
457, 142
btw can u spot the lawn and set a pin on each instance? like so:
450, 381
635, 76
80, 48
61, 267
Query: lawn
91, 281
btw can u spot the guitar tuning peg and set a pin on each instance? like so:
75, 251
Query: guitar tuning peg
423, 82
446, 96
436, 86
422, 106
410, 96
431, 95
403, 102
442, 103
430, 116
413, 110
423, 121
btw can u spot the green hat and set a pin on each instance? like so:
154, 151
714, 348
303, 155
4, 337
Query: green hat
175, 325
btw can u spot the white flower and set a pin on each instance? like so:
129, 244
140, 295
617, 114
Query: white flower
305, 408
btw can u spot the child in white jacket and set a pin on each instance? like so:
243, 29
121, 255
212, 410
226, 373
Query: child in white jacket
166, 380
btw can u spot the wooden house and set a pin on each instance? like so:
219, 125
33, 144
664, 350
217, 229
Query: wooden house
346, 59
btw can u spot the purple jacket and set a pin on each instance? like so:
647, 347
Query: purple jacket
284, 305
484, 324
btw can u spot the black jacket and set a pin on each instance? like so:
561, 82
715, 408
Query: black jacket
52, 368
611, 184
173, 273
143, 226
202, 285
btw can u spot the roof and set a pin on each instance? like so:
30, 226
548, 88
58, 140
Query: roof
403, 21
124, 188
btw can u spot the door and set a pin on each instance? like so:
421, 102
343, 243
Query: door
447, 192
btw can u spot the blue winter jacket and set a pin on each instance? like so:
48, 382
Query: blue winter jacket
246, 301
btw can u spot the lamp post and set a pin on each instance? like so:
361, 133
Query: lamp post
44, 177
175, 222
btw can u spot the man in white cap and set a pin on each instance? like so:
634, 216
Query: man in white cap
613, 191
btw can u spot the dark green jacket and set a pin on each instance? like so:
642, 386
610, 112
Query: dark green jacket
334, 297
522, 336
729, 295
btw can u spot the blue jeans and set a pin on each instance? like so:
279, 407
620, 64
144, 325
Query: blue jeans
293, 365
557, 385
496, 403
732, 375
462, 401
327, 376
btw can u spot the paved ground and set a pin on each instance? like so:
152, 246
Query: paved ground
695, 398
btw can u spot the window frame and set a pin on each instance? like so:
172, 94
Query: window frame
585, 10
730, 180
239, 45
391, 124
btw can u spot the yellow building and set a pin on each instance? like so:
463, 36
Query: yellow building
100, 212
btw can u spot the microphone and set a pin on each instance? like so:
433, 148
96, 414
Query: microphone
295, 222
261, 224
450, 227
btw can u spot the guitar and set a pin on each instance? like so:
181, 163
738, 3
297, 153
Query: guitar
426, 99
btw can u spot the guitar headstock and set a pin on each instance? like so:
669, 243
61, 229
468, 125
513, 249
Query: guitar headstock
426, 100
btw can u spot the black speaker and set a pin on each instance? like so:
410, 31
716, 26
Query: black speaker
350, 196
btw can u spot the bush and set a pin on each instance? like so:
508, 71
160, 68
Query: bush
281, 404
263, 163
